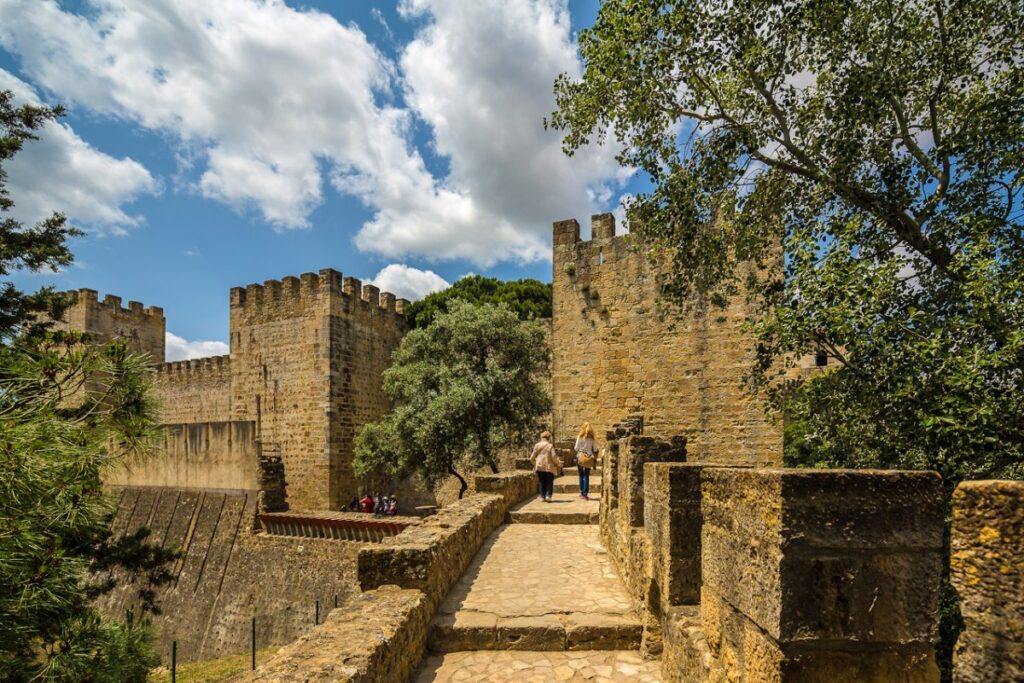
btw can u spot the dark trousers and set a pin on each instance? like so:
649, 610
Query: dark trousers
546, 484
584, 480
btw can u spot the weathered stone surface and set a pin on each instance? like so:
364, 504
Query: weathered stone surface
229, 574
672, 521
518, 666
535, 633
815, 554
546, 587
614, 353
988, 574
596, 631
432, 556
634, 453
463, 630
512, 486
564, 508
380, 635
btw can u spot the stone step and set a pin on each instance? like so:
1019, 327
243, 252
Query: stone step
469, 630
564, 508
570, 483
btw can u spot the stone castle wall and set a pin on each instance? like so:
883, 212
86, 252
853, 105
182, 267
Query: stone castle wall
194, 390
229, 573
762, 574
307, 357
304, 374
988, 574
615, 354
142, 327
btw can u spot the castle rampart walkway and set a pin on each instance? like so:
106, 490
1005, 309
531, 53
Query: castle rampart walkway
540, 602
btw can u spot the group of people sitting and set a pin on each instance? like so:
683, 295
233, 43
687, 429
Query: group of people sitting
380, 505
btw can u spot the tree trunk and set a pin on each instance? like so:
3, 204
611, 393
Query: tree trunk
463, 486
484, 441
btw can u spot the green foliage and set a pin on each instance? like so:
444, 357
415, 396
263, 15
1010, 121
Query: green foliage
463, 386
69, 411
40, 246
527, 298
880, 145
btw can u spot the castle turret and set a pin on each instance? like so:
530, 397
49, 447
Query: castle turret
142, 327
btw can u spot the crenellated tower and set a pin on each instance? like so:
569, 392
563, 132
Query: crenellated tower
142, 327
616, 353
307, 354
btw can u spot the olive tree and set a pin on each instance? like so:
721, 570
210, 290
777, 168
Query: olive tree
464, 386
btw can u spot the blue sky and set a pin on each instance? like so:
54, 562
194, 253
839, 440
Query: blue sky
209, 145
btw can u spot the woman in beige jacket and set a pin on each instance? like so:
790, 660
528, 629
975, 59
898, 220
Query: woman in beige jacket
546, 464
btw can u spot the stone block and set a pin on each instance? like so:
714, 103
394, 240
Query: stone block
633, 453
375, 636
542, 633
729, 646
594, 631
463, 631
987, 548
825, 555
672, 522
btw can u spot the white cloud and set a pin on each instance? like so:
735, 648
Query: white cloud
179, 348
406, 282
265, 99
62, 172
480, 74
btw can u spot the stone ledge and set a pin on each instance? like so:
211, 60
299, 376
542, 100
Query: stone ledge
433, 555
472, 630
374, 636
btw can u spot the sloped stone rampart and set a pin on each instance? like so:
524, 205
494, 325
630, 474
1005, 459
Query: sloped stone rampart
988, 574
377, 636
229, 574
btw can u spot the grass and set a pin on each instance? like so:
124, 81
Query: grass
212, 670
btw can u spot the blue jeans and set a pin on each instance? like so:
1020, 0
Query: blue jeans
546, 484
584, 480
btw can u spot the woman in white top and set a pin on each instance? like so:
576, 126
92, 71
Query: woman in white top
586, 451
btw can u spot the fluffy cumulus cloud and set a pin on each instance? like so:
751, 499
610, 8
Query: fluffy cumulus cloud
273, 101
480, 74
179, 348
406, 282
62, 172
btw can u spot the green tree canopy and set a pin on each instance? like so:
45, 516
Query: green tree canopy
463, 386
70, 410
527, 298
881, 145
41, 246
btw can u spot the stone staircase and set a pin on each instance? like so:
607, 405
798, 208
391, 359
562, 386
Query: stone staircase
541, 601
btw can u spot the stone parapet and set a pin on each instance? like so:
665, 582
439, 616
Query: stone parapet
673, 521
988, 574
512, 486
815, 575
375, 636
433, 555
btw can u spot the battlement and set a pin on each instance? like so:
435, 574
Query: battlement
311, 288
112, 303
566, 233
212, 369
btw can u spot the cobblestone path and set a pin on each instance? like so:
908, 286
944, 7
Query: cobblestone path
540, 602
